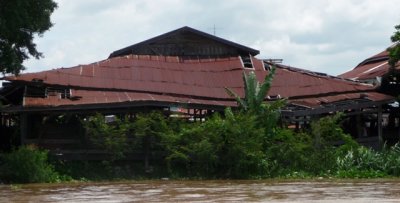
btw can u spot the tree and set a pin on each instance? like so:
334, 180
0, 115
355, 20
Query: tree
255, 92
111, 137
20, 21
394, 51
253, 102
390, 81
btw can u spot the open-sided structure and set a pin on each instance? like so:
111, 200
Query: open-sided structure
184, 71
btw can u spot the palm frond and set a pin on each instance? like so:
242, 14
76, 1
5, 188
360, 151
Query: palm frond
266, 86
239, 100
251, 88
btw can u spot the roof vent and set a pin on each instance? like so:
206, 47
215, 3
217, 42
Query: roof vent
274, 97
363, 95
246, 61
37, 80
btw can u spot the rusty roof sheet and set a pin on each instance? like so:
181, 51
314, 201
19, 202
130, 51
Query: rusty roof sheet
92, 97
368, 71
173, 79
316, 102
86, 97
370, 68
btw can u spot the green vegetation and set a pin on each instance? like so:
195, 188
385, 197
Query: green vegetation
390, 79
230, 147
110, 137
28, 165
255, 92
394, 52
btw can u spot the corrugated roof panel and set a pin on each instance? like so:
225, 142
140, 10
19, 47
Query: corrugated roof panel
124, 74
367, 71
194, 78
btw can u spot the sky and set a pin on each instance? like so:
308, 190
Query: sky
329, 36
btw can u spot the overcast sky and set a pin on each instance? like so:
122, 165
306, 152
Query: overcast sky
330, 36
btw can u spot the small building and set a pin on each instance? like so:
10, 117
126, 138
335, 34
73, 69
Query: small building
371, 70
377, 71
184, 71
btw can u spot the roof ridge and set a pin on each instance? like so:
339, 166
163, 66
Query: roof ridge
123, 51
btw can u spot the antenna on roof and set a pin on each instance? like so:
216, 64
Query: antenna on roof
214, 28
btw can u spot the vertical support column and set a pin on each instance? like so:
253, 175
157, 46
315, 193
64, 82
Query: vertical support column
380, 126
358, 125
297, 124
24, 127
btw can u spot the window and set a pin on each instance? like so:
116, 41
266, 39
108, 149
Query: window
267, 66
64, 93
246, 61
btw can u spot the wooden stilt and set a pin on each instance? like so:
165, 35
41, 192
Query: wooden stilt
380, 127
24, 127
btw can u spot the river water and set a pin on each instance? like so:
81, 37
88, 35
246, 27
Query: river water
207, 191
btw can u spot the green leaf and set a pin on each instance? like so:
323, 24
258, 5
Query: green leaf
239, 100
266, 86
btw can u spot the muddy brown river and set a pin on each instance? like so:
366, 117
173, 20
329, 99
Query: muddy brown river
207, 191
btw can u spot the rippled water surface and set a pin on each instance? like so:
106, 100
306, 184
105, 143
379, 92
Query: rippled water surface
207, 191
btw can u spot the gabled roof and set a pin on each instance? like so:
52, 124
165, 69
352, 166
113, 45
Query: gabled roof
137, 48
137, 79
370, 68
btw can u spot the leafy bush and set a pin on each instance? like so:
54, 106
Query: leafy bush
325, 134
312, 152
230, 147
149, 130
289, 151
360, 159
27, 165
109, 136
391, 160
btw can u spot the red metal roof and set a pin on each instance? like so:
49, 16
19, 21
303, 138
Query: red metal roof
103, 97
315, 102
172, 79
370, 68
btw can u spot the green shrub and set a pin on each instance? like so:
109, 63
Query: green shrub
27, 165
288, 151
109, 136
150, 128
230, 147
391, 160
312, 152
361, 163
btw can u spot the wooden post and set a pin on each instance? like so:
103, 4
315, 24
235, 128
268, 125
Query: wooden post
297, 124
358, 125
24, 127
380, 126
